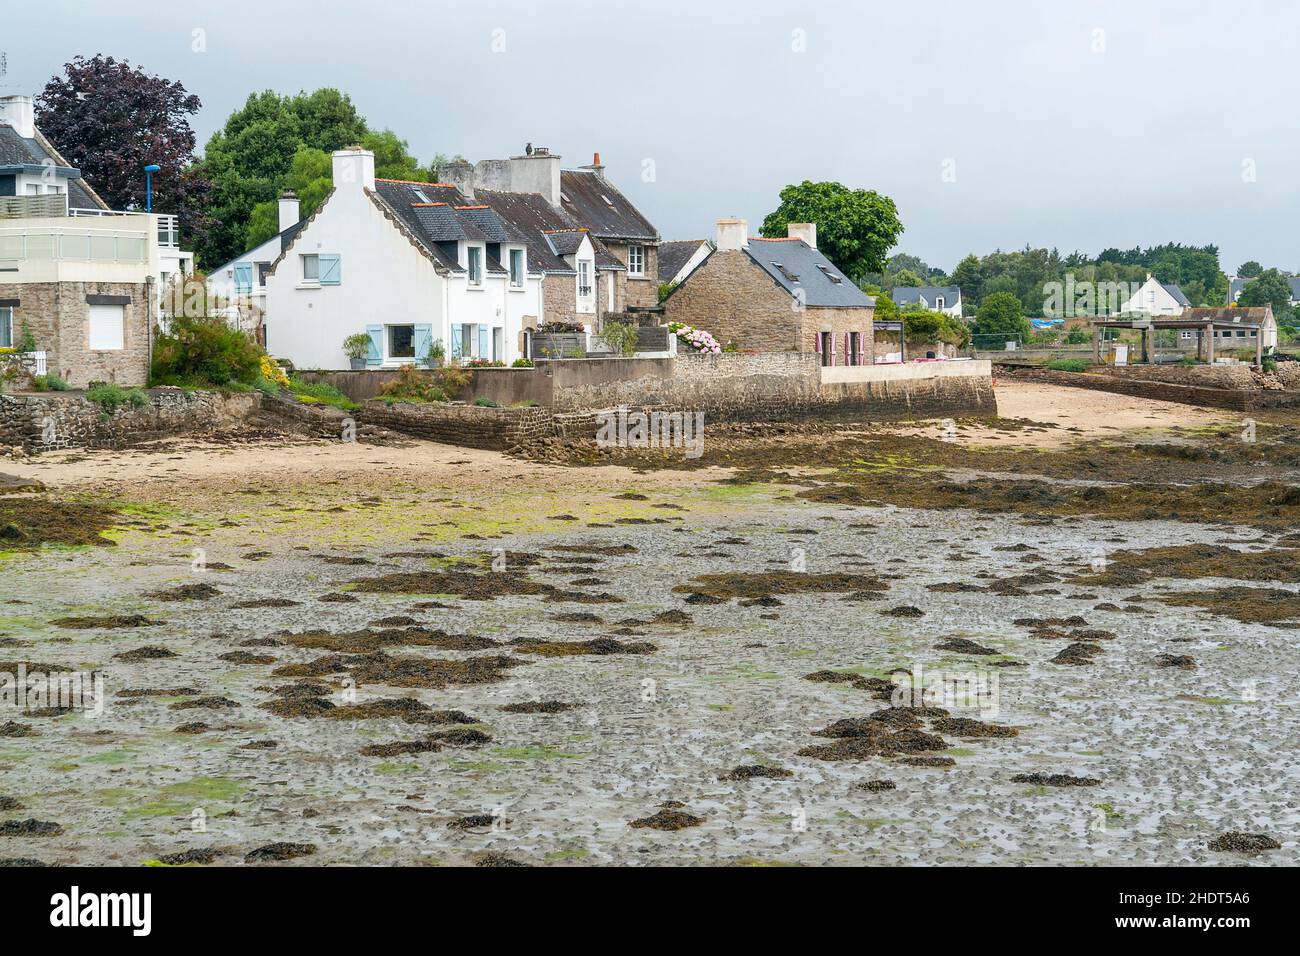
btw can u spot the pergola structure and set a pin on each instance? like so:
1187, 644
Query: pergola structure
1148, 326
883, 325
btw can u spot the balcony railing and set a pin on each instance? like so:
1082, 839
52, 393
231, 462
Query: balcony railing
49, 243
169, 229
50, 206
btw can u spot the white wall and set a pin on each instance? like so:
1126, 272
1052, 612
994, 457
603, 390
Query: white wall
384, 279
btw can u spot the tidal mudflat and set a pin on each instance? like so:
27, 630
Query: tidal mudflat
425, 655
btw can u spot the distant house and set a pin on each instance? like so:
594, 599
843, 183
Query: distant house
409, 265
84, 280
241, 282
776, 295
945, 299
1237, 283
1156, 298
678, 259
1257, 320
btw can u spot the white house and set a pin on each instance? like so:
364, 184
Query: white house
409, 265
1156, 298
945, 299
241, 282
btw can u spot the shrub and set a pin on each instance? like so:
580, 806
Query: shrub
525, 403
697, 340
202, 352
49, 383
1077, 336
112, 397
522, 363
485, 363
452, 379
619, 337
272, 372
1069, 365
485, 403
412, 385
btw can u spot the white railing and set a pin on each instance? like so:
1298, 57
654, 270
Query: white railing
39, 359
169, 228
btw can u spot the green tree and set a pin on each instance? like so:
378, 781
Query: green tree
1001, 314
905, 279
855, 227
969, 277
1271, 288
1249, 269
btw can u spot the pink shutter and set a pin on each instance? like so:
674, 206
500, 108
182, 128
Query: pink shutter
848, 352
817, 342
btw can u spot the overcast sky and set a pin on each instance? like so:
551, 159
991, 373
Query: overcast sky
1067, 124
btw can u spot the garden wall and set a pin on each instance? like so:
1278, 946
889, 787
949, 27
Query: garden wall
43, 421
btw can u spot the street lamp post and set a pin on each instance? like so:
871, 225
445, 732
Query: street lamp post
148, 186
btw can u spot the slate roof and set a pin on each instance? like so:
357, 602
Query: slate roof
531, 216
674, 255
1237, 283
1177, 293
794, 265
1247, 315
17, 150
912, 295
594, 202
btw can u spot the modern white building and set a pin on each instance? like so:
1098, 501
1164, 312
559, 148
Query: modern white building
1156, 298
409, 265
240, 284
945, 299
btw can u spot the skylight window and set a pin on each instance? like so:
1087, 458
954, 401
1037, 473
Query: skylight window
608, 201
786, 272
419, 194
830, 275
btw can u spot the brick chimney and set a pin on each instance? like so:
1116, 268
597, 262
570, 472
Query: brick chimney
288, 209
807, 231
733, 234
354, 168
17, 111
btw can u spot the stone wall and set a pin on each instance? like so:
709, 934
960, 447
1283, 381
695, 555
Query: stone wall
58, 316
49, 420
1208, 376
636, 290
560, 299
471, 426
1237, 399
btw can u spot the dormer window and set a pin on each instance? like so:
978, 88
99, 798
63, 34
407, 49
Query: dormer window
475, 255
939, 303
636, 260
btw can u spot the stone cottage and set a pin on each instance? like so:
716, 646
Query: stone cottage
776, 295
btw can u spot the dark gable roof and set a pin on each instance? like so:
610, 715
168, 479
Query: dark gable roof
1177, 293
674, 255
551, 233
16, 150
794, 265
912, 295
594, 202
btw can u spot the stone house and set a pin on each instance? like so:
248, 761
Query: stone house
83, 282
776, 295
624, 243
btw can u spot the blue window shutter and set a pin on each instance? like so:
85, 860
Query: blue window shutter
331, 268
376, 353
455, 340
483, 342
423, 339
243, 277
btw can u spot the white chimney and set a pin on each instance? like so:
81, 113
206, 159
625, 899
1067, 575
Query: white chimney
807, 231
288, 210
733, 234
17, 111
354, 168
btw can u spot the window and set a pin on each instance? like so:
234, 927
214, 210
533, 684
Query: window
107, 328
419, 194
401, 341
517, 268
584, 279
33, 189
475, 265
7, 327
311, 268
636, 260
938, 303
263, 269
498, 350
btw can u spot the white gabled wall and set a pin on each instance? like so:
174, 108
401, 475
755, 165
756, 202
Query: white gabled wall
384, 279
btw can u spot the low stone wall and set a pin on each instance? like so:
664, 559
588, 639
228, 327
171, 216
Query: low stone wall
1205, 376
471, 426
43, 421
1236, 399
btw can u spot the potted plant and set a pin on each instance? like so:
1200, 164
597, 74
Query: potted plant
436, 355
356, 347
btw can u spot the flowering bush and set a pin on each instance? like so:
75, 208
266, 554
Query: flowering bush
697, 339
273, 372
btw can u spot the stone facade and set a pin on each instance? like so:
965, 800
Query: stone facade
58, 316
640, 291
560, 299
470, 426
733, 299
50, 420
